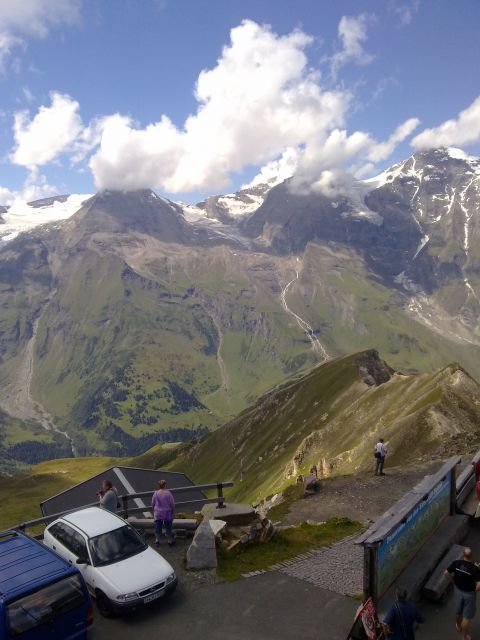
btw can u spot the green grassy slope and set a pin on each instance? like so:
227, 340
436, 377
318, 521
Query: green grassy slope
141, 341
332, 419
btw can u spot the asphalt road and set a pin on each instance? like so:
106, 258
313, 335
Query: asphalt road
271, 606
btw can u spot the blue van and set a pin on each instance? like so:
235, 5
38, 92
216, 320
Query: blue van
42, 596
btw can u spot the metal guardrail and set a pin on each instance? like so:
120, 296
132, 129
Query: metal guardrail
126, 510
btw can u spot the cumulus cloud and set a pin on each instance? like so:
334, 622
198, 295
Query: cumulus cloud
464, 130
331, 162
50, 132
259, 99
33, 18
261, 105
352, 33
277, 170
35, 187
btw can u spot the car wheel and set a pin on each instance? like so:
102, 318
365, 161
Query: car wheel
104, 605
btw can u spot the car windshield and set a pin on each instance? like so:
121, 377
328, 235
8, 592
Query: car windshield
115, 545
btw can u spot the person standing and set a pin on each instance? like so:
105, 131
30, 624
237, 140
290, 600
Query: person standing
465, 576
108, 497
399, 623
163, 505
380, 454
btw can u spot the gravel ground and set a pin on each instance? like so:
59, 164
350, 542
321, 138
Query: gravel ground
361, 497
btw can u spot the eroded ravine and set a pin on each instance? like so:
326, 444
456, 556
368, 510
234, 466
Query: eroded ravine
317, 346
17, 399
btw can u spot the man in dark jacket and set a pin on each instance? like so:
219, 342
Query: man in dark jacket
399, 623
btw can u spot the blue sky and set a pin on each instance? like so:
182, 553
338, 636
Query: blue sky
96, 93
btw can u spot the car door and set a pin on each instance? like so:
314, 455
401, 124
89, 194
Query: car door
80, 550
63, 541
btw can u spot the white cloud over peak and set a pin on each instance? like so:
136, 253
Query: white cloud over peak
33, 18
352, 33
331, 162
463, 130
278, 170
261, 105
259, 99
50, 132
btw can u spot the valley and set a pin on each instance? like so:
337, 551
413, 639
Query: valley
138, 320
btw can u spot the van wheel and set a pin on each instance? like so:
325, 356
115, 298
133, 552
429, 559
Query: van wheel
104, 606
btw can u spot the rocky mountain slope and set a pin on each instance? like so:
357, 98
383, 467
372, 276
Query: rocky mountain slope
138, 319
332, 417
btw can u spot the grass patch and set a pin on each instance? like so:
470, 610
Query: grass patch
287, 543
291, 494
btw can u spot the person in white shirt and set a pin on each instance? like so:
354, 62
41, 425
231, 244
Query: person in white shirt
380, 453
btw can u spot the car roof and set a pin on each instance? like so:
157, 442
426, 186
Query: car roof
93, 521
25, 565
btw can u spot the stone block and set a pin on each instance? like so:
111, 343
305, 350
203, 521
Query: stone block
233, 514
218, 526
202, 553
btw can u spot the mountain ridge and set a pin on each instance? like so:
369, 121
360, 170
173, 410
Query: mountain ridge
135, 319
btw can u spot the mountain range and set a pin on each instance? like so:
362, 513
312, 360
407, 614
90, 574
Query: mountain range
138, 319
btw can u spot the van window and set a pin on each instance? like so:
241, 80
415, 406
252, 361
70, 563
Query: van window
44, 605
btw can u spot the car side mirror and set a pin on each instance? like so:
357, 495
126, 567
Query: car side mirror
83, 561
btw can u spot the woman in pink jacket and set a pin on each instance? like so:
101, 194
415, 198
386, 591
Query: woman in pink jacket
163, 510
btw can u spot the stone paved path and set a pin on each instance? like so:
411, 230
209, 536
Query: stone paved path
338, 568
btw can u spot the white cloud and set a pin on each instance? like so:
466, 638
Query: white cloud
464, 130
35, 187
34, 18
382, 150
332, 162
259, 99
49, 133
6, 196
404, 12
352, 33
277, 170
261, 105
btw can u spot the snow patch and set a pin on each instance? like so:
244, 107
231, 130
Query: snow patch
22, 217
240, 205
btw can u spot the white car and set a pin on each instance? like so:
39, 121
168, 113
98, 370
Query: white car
121, 571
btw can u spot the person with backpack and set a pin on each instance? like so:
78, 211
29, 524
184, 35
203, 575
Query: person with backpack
401, 618
380, 454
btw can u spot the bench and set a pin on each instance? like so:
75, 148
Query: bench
436, 586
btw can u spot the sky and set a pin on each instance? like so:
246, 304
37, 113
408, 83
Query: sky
200, 97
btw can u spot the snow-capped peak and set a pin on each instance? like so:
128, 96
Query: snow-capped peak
22, 216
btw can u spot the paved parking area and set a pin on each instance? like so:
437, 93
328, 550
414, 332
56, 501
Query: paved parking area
271, 606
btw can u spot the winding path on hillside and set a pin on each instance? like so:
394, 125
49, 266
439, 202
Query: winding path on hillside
317, 346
